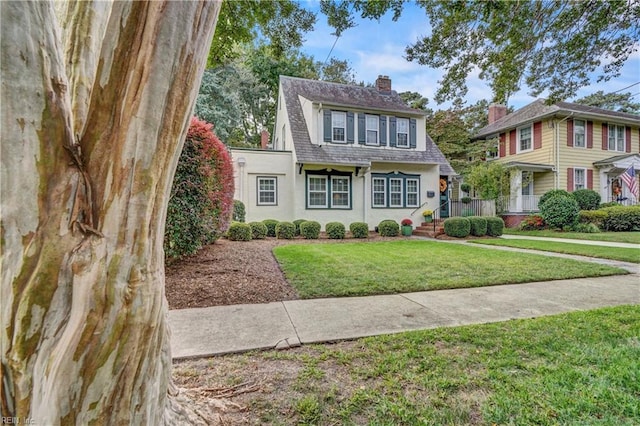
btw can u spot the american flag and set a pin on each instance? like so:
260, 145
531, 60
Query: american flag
629, 178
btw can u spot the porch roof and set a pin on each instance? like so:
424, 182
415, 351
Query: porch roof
533, 167
620, 161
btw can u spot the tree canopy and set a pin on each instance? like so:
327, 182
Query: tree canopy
622, 102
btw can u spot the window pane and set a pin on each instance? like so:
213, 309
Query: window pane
412, 192
412, 200
372, 122
402, 130
578, 133
525, 138
317, 191
395, 192
266, 190
379, 192
338, 124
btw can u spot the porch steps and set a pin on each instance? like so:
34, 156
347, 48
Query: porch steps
427, 229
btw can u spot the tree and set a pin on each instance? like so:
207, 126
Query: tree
337, 71
552, 46
96, 98
614, 101
490, 179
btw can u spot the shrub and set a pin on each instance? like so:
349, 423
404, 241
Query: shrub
458, 227
478, 226
239, 212
465, 187
335, 230
310, 229
595, 217
587, 228
554, 192
271, 227
622, 219
258, 230
560, 211
587, 199
297, 223
532, 222
495, 226
388, 228
201, 201
359, 230
239, 231
465, 200
609, 204
285, 230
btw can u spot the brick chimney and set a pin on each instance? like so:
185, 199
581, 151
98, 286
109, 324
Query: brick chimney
496, 112
264, 139
383, 84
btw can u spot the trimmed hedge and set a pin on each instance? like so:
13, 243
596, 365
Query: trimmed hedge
587, 199
335, 230
388, 228
258, 230
458, 227
310, 229
560, 211
478, 226
359, 230
285, 231
495, 226
239, 231
595, 217
297, 223
271, 226
239, 211
622, 219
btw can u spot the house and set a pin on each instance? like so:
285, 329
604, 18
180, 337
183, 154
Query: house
343, 153
562, 146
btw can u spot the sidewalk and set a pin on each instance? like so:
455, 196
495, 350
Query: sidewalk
568, 240
218, 330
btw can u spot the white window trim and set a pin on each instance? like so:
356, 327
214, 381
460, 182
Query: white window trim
616, 141
367, 129
374, 192
326, 192
398, 133
575, 178
584, 133
417, 192
348, 192
401, 192
344, 115
518, 144
274, 179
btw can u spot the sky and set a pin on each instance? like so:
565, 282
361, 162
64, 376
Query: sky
375, 48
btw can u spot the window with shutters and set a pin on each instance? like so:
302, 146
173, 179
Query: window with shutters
402, 129
328, 191
524, 140
338, 126
579, 179
372, 129
579, 134
395, 190
616, 138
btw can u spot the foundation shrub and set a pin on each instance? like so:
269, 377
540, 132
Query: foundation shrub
310, 229
388, 228
533, 222
478, 226
622, 219
335, 230
560, 211
239, 231
271, 226
458, 227
297, 223
359, 230
239, 211
258, 230
595, 217
587, 199
553, 193
285, 230
495, 226
586, 228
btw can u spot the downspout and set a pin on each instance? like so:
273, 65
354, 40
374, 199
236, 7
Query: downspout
557, 146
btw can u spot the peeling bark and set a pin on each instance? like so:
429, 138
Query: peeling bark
96, 99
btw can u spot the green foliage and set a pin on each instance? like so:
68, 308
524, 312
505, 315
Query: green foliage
465, 200
587, 228
335, 230
310, 229
559, 211
239, 211
458, 227
532, 223
465, 187
552, 193
608, 204
490, 179
201, 202
587, 199
495, 226
478, 226
258, 230
271, 226
622, 218
285, 230
622, 102
239, 231
595, 217
388, 228
297, 223
359, 230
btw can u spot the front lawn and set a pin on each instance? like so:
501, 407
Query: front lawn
617, 237
579, 368
615, 253
361, 269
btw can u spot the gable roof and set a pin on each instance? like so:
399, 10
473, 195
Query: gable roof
367, 98
538, 110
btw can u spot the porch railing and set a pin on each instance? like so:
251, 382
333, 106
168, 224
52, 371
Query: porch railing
528, 203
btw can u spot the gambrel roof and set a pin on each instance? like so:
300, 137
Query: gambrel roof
296, 91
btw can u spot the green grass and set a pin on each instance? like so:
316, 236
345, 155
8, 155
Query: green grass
580, 368
359, 269
619, 237
615, 253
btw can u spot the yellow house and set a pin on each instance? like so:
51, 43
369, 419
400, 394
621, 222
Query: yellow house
562, 146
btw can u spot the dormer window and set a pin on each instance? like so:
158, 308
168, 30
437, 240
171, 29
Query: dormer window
402, 127
372, 130
338, 126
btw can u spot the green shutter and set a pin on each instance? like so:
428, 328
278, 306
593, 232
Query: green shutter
350, 128
392, 131
361, 129
412, 133
383, 130
327, 125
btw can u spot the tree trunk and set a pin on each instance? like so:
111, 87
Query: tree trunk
96, 101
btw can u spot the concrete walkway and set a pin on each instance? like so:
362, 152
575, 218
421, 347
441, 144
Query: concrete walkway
568, 240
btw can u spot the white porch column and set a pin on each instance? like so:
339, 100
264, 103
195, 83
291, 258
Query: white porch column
515, 202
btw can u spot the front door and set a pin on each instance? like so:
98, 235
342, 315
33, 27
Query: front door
444, 197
